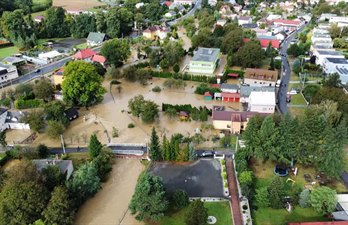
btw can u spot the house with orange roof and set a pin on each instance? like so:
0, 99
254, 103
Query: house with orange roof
154, 32
88, 55
58, 77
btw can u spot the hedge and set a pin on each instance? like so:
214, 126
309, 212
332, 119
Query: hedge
4, 160
26, 104
198, 114
202, 88
185, 76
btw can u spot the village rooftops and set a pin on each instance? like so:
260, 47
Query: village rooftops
337, 60
324, 52
65, 166
84, 54
13, 60
155, 28
229, 86
287, 22
206, 55
240, 116
244, 18
245, 91
261, 74
262, 98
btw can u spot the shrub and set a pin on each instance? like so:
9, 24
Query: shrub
114, 132
180, 199
202, 88
131, 125
176, 68
25, 104
156, 89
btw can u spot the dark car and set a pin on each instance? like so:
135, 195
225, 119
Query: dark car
204, 153
37, 71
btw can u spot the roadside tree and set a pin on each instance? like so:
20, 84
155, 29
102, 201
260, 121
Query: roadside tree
94, 146
82, 84
149, 201
55, 129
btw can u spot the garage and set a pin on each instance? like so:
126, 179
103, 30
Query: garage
230, 97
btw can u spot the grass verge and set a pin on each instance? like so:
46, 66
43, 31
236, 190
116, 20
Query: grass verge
5, 52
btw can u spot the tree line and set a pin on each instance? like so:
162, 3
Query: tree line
30, 196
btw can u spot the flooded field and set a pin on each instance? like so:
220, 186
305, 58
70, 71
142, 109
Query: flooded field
112, 112
109, 206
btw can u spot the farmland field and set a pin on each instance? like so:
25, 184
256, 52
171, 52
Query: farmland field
77, 4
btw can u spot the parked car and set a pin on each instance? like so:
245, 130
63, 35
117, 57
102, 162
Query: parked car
204, 153
293, 92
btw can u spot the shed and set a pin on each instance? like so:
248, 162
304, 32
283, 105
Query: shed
183, 115
234, 75
71, 114
230, 97
208, 96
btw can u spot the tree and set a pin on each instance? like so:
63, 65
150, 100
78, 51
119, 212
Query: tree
154, 148
165, 148
103, 163
3, 142
232, 41
271, 64
85, 183
118, 22
268, 133
180, 199
94, 146
53, 177
43, 89
115, 51
149, 112
54, 110
197, 214
245, 178
135, 105
55, 23
176, 68
100, 21
149, 202
164, 64
276, 192
24, 91
249, 55
82, 84
82, 25
262, 197
171, 112
335, 31
55, 129
35, 119
59, 209
42, 151
295, 50
323, 199
99, 68
332, 81
23, 196
173, 52
304, 198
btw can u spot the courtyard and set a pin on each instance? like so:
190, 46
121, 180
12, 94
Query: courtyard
199, 179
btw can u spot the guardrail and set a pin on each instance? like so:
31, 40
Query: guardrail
128, 152
127, 144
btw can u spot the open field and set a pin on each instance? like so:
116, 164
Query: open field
110, 204
221, 211
77, 4
5, 52
112, 112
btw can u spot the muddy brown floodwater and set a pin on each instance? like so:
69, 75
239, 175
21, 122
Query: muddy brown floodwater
109, 206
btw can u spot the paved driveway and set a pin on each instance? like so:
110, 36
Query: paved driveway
199, 179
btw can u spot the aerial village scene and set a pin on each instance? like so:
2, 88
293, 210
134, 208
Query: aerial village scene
173, 112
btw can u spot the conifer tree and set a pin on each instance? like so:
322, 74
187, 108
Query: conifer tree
154, 148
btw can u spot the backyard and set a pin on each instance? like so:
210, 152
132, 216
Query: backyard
220, 210
8, 51
268, 216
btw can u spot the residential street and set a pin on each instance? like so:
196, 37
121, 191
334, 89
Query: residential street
282, 104
190, 13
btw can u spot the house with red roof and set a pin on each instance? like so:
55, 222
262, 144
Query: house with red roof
287, 25
167, 3
89, 55
265, 42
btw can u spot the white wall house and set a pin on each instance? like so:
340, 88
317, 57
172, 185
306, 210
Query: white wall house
343, 73
204, 61
260, 77
7, 72
330, 64
262, 102
338, 19
244, 20
322, 54
12, 120
50, 56
184, 2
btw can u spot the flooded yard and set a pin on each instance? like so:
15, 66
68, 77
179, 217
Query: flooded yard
109, 206
112, 112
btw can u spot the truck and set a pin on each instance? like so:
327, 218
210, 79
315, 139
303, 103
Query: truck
278, 83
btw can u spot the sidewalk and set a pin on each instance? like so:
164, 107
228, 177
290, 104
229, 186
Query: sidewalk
233, 189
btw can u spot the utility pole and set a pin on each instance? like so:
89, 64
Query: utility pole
62, 141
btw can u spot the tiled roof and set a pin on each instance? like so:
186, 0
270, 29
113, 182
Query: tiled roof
99, 59
84, 54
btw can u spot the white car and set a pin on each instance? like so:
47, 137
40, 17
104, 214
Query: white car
293, 92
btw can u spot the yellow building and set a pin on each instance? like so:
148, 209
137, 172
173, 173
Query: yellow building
58, 77
154, 32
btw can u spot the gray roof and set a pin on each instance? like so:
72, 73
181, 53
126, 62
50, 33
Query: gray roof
96, 37
13, 60
62, 164
323, 52
206, 54
14, 116
5, 66
246, 90
229, 86
342, 70
2, 111
249, 25
337, 61
266, 37
340, 215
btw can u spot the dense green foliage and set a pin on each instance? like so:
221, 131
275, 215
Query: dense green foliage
116, 51
148, 201
197, 214
323, 200
147, 110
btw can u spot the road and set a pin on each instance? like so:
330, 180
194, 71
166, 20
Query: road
190, 13
282, 104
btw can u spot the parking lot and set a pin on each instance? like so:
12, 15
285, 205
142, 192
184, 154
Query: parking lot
199, 179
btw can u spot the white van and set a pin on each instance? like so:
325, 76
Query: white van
278, 83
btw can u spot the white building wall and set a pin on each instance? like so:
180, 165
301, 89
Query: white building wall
262, 108
222, 125
320, 58
11, 74
259, 83
330, 67
18, 126
206, 68
2, 121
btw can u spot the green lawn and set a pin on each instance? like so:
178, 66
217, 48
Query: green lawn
296, 111
78, 158
269, 216
81, 46
297, 100
41, 13
221, 210
5, 52
2, 155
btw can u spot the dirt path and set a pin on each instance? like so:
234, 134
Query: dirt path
110, 204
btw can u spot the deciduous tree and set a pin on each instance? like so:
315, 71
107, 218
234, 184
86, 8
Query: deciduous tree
35, 119
197, 214
43, 89
249, 55
103, 163
116, 51
323, 199
55, 129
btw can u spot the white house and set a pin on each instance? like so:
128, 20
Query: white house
7, 72
244, 20
245, 91
50, 56
260, 77
262, 102
12, 120
326, 16
183, 2
95, 39
330, 64
204, 61
322, 54
338, 19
